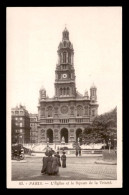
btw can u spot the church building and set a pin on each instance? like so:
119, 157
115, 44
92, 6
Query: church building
68, 113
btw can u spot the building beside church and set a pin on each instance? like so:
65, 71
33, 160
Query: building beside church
68, 112
20, 125
33, 128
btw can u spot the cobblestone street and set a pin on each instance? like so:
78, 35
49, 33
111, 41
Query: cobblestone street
80, 168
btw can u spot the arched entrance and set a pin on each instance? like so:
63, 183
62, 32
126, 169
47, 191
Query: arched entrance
50, 135
64, 133
78, 133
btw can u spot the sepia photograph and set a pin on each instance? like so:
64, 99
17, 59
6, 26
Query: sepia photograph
64, 97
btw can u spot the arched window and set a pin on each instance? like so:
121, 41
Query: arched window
79, 110
64, 57
86, 110
49, 135
49, 111
72, 110
69, 58
64, 43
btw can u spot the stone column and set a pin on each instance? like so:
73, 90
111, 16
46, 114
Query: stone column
71, 135
56, 135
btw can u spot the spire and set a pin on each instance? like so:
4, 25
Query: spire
93, 86
93, 93
65, 73
42, 92
42, 88
65, 34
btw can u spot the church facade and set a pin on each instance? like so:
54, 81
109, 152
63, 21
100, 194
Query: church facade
68, 113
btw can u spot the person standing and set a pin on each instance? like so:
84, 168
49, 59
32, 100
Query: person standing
58, 156
44, 167
63, 158
76, 152
49, 164
79, 151
55, 165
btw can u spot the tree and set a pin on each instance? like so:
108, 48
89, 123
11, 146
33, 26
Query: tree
102, 129
91, 135
107, 125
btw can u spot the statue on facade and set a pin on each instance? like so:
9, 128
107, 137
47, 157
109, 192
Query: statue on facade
63, 140
48, 140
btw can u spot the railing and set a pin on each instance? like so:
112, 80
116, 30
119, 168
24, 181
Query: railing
66, 120
49, 120
73, 152
69, 152
79, 120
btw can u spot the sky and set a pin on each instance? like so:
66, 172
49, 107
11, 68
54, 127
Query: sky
33, 36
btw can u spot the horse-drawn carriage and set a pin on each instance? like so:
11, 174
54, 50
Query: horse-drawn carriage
17, 152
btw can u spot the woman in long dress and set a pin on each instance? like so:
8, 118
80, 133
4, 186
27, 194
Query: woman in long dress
58, 156
63, 158
55, 165
44, 167
49, 164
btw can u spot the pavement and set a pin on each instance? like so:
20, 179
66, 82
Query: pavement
19, 161
71, 156
97, 162
106, 162
78, 168
68, 155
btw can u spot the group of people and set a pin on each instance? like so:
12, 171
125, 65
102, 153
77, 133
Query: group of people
52, 162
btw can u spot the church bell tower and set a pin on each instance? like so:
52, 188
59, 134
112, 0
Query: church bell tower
65, 74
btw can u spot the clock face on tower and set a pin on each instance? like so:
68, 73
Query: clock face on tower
64, 76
